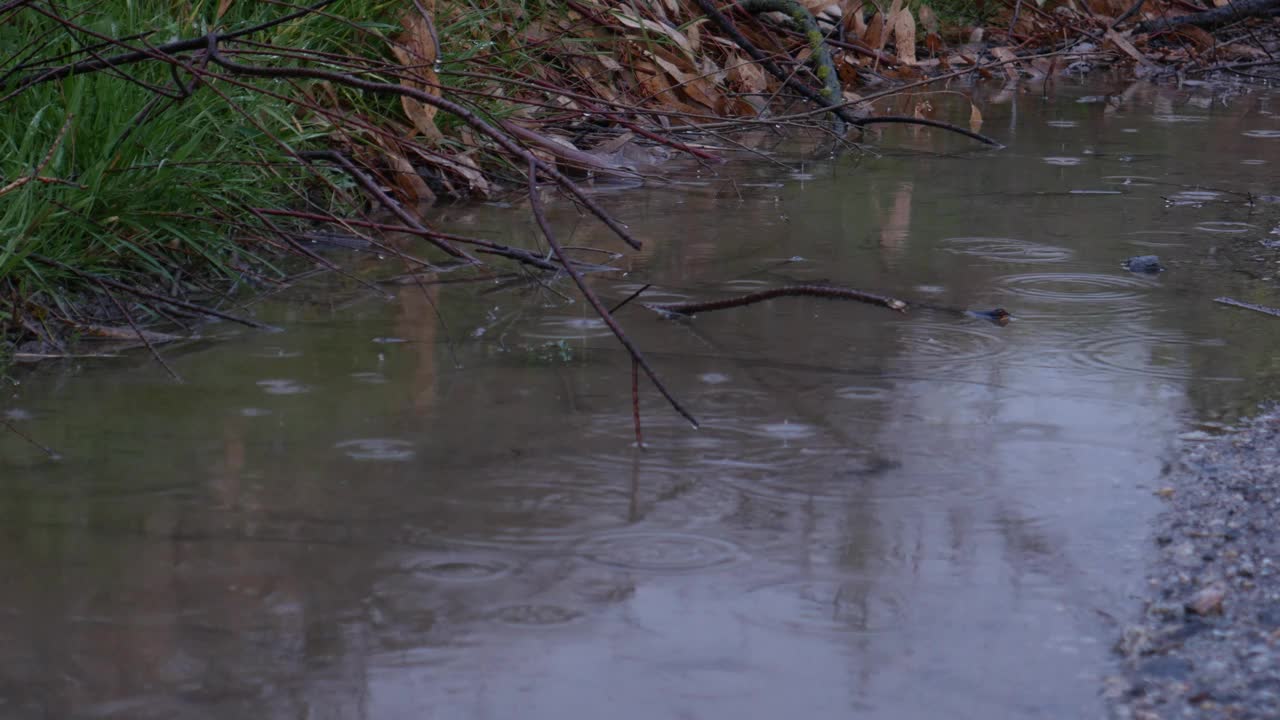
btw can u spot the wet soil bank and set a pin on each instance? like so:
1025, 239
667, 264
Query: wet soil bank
1208, 643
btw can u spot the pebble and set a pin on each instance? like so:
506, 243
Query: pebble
1207, 644
1147, 264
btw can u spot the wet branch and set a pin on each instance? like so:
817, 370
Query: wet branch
1248, 306
535, 205
138, 331
475, 121
822, 291
1230, 12
53, 454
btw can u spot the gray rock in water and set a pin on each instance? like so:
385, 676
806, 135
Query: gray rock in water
1144, 264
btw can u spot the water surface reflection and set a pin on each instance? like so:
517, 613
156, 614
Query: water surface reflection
882, 516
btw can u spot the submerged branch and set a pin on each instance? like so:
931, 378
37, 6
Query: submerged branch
53, 454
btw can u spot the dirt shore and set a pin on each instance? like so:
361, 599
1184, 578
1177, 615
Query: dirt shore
1208, 642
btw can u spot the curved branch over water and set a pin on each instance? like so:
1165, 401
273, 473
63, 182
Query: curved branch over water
822, 291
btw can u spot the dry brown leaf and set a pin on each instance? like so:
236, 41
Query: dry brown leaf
847, 68
933, 43
1199, 36
1240, 51
904, 36
461, 165
223, 7
1005, 55
694, 34
692, 84
412, 188
875, 35
627, 16
747, 75
1122, 42
415, 48
928, 20
854, 24
893, 11
975, 118
599, 79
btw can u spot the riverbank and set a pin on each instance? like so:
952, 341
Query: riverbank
1208, 642
144, 180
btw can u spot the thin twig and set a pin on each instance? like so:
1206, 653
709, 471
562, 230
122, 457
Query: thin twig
197, 309
535, 205
635, 402
630, 297
53, 455
138, 331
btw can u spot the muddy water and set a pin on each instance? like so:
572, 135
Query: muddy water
431, 507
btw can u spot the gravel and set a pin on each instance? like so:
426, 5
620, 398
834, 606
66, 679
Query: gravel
1208, 642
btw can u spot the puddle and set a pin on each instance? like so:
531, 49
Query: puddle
435, 505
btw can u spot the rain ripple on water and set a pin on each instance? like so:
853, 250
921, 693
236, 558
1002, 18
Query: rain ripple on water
569, 328
660, 552
1225, 227
951, 342
537, 615
1006, 249
1147, 355
461, 570
282, 386
377, 449
1115, 290
822, 606
1192, 198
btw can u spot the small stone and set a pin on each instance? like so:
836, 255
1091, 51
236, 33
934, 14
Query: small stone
1165, 492
1115, 687
1208, 600
1135, 641
1167, 666
1166, 611
1149, 264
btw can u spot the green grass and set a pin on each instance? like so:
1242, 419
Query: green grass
146, 189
